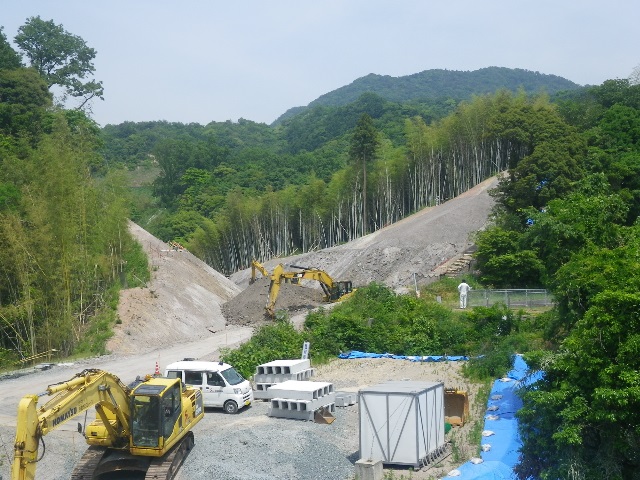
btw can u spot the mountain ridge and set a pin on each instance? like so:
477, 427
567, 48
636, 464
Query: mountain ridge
438, 83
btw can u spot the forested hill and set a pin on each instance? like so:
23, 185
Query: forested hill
438, 83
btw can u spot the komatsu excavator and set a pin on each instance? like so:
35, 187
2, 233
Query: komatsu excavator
333, 291
144, 428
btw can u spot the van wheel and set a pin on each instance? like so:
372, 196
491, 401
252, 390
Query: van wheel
230, 406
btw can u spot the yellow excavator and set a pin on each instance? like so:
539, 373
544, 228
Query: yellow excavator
333, 291
144, 428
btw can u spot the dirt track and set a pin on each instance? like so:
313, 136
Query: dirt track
180, 312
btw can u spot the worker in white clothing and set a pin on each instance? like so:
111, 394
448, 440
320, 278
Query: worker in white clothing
463, 288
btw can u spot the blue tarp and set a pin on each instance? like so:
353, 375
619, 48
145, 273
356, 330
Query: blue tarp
412, 358
498, 462
503, 403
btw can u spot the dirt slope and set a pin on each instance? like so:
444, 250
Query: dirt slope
188, 300
414, 250
181, 302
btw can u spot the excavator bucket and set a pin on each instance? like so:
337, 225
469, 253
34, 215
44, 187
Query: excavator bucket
456, 406
323, 415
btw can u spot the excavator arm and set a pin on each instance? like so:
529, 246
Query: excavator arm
86, 389
255, 265
274, 290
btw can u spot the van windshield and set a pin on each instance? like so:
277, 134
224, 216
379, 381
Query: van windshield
231, 376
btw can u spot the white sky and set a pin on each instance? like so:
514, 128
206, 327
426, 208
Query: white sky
211, 60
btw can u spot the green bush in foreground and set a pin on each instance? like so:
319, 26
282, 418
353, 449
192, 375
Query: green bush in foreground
271, 342
377, 320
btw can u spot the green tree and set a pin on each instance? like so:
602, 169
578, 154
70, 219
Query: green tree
589, 216
364, 143
502, 261
173, 156
9, 58
583, 416
618, 91
24, 99
61, 58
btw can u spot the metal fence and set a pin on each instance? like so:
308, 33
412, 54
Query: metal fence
526, 297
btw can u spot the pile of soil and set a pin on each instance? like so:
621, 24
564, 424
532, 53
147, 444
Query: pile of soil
248, 308
181, 303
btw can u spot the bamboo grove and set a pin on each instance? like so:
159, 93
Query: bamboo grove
437, 162
62, 243
63, 235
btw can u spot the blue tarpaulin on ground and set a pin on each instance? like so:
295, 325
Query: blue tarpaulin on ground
412, 358
500, 426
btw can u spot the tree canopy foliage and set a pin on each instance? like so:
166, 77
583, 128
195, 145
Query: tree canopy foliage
60, 57
246, 194
439, 86
9, 58
567, 219
64, 244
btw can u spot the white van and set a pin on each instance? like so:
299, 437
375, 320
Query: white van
220, 383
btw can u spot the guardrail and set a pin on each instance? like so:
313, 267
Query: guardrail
525, 297
38, 356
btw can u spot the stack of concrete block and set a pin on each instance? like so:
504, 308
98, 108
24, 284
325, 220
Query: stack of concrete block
278, 371
346, 399
301, 399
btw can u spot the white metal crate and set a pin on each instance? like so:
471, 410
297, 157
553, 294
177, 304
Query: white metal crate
402, 422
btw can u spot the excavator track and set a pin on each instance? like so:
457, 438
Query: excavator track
165, 468
99, 462
88, 463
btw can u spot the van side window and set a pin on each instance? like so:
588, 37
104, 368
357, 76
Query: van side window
192, 378
214, 379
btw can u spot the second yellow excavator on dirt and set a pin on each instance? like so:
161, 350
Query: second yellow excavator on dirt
333, 291
143, 428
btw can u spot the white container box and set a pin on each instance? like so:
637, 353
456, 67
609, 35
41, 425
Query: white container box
402, 422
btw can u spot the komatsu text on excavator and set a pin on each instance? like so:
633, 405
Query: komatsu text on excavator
144, 428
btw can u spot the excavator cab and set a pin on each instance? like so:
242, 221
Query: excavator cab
157, 415
146, 417
143, 428
341, 289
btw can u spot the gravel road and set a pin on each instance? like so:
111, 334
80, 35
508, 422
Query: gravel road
251, 445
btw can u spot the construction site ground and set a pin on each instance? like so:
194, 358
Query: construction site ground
190, 310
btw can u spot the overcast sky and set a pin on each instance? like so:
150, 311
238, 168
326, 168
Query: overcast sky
210, 60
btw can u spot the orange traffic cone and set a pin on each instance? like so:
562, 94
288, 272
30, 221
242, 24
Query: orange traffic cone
157, 372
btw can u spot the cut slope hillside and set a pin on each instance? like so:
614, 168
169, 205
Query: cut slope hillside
186, 300
181, 303
416, 249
